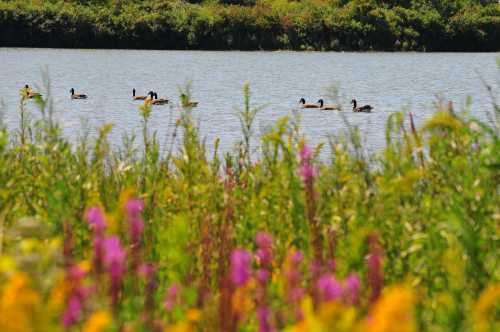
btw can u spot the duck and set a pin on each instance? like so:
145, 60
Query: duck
365, 108
302, 101
30, 93
158, 101
134, 97
186, 102
77, 95
322, 106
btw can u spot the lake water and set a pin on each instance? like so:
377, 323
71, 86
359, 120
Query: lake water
388, 81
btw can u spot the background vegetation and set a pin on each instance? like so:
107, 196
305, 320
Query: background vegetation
424, 25
94, 238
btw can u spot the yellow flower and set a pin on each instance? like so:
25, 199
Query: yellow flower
487, 300
18, 304
393, 312
310, 323
98, 322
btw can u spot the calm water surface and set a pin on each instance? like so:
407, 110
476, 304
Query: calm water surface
388, 81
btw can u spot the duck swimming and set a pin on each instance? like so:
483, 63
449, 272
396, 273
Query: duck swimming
365, 108
322, 106
303, 103
77, 95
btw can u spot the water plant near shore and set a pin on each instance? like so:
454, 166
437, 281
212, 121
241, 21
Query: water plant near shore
406, 240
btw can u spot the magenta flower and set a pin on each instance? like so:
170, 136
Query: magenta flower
171, 297
307, 171
374, 264
352, 285
329, 288
305, 152
297, 257
134, 208
114, 257
95, 218
240, 267
264, 319
262, 276
263, 240
73, 312
77, 295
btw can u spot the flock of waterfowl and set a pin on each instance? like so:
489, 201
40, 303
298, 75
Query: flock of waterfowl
152, 99
322, 106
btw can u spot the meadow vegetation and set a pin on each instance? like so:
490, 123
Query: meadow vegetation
423, 25
269, 238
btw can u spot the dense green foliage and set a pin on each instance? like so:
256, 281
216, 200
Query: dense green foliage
431, 196
451, 25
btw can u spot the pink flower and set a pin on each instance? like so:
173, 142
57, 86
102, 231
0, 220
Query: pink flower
305, 152
297, 257
77, 295
114, 257
95, 218
264, 318
134, 208
306, 170
263, 240
171, 297
329, 288
73, 312
352, 285
240, 267
262, 276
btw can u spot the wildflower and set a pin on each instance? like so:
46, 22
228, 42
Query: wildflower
294, 290
18, 303
171, 297
329, 288
95, 218
351, 289
98, 322
374, 262
73, 312
114, 261
136, 226
264, 318
240, 267
77, 295
114, 257
307, 171
264, 255
393, 312
484, 306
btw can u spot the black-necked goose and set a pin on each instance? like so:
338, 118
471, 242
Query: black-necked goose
322, 106
365, 108
303, 104
77, 95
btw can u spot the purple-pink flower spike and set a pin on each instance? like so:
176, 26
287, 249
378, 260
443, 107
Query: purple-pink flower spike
73, 312
329, 288
305, 152
240, 267
95, 218
114, 257
374, 263
351, 289
171, 297
134, 207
